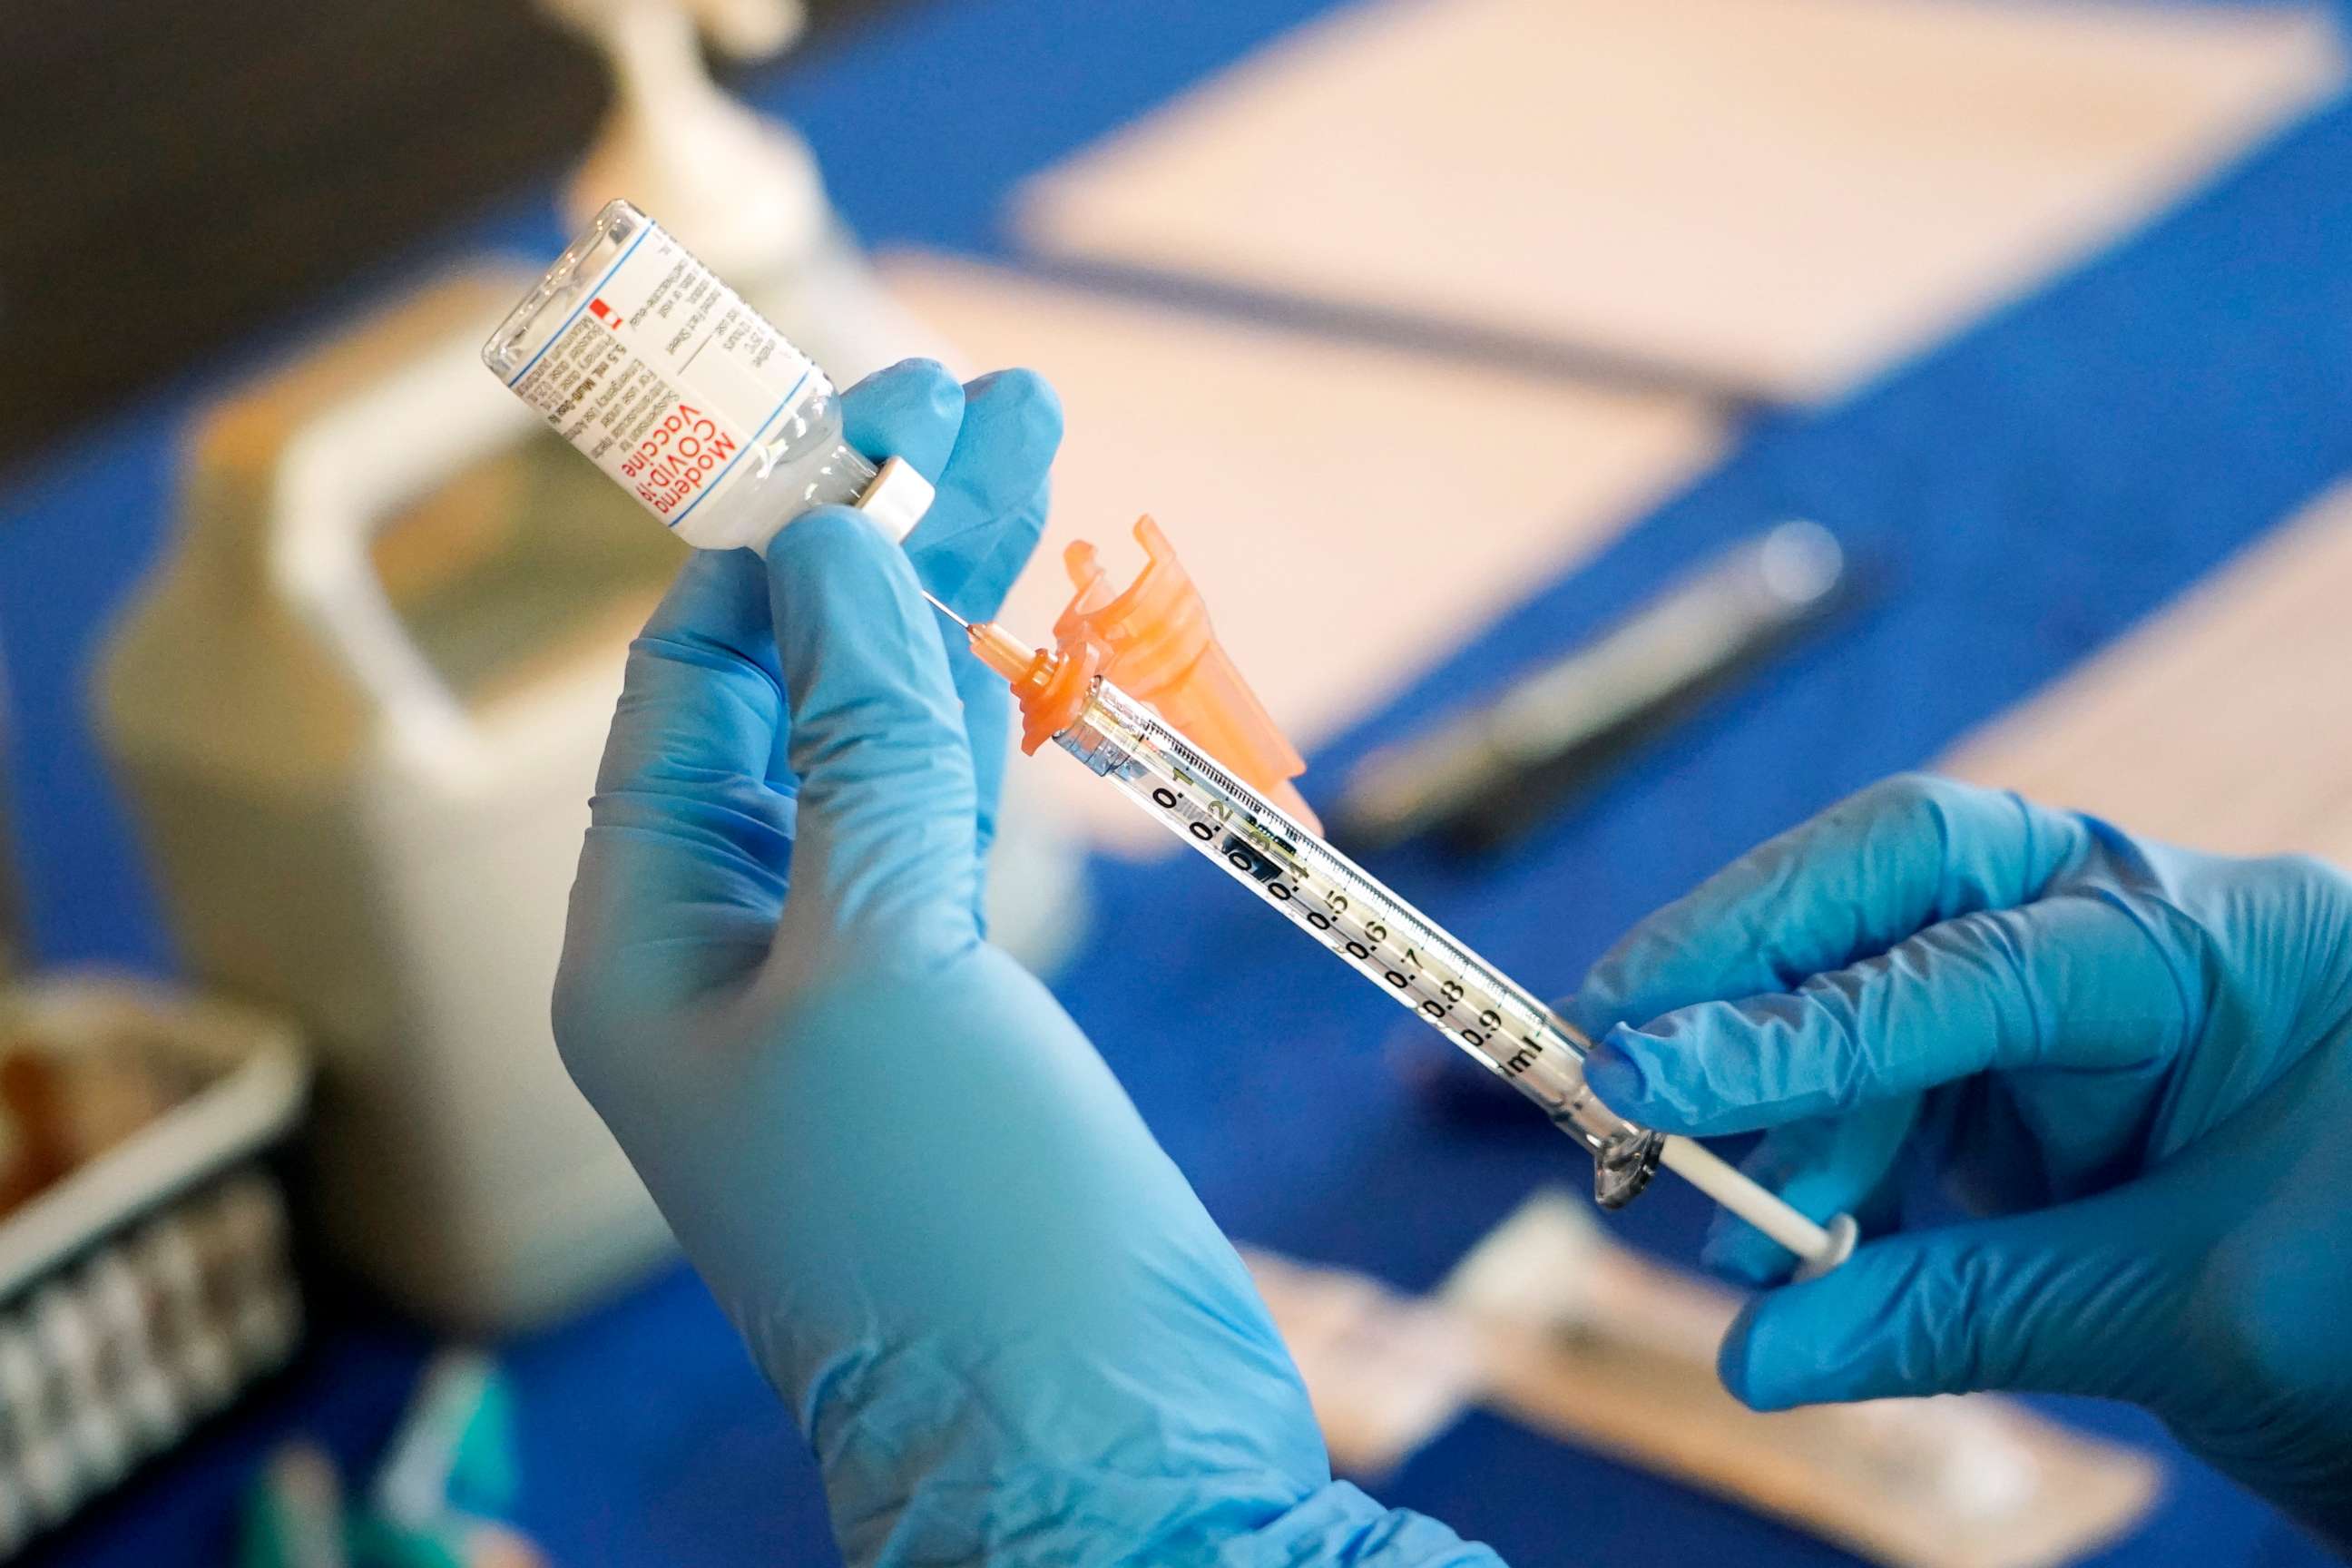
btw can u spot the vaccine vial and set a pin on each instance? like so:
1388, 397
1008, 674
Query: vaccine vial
641, 357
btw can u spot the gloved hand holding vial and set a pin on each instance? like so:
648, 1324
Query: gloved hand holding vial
776, 991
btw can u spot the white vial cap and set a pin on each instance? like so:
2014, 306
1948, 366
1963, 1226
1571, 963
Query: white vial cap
897, 500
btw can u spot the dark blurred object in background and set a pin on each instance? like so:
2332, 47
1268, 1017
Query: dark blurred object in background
176, 175
1488, 777
12, 908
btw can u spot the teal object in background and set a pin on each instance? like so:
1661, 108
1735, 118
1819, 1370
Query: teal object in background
450, 1472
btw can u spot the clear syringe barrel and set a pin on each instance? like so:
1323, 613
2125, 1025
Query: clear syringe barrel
1379, 935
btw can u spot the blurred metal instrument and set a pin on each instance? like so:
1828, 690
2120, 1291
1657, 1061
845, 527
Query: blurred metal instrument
1488, 776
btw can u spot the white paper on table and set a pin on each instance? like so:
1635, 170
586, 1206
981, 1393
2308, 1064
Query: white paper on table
1553, 1326
2225, 723
1778, 194
1418, 496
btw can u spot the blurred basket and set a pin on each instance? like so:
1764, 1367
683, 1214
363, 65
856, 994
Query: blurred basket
143, 1291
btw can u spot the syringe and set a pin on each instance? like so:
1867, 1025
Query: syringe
698, 402
1380, 936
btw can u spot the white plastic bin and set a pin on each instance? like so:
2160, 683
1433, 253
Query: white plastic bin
146, 1288
359, 708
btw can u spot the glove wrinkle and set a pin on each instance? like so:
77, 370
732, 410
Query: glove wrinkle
1339, 1527
946, 1469
687, 647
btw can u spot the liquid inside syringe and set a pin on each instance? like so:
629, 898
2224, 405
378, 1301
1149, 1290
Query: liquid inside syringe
1358, 918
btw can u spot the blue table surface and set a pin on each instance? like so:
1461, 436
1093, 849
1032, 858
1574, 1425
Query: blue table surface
2016, 497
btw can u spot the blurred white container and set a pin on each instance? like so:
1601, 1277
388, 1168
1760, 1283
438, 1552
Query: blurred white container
742, 191
359, 708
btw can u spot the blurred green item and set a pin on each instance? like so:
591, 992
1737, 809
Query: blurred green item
294, 1514
449, 1469
455, 1447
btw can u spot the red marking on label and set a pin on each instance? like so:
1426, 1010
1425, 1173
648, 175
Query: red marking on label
677, 456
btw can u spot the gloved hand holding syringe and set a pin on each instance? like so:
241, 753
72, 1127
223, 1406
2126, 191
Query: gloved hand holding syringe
1379, 935
654, 369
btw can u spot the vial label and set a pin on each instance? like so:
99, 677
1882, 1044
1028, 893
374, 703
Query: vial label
664, 378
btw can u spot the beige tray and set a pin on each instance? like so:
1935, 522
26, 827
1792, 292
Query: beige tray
1550, 1323
2224, 721
1779, 194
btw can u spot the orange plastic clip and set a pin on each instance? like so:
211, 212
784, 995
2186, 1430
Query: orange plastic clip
1155, 641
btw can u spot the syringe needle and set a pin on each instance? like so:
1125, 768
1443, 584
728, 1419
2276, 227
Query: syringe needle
945, 611
998, 648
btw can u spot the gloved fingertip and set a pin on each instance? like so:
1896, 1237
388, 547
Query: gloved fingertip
910, 410
974, 582
833, 579
915, 384
1753, 1363
1589, 1011
935, 375
1737, 1251
943, 396
1731, 1357
800, 553
1613, 1073
1029, 396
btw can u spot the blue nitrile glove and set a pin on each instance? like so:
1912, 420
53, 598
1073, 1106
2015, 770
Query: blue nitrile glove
1003, 1320
2136, 1060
